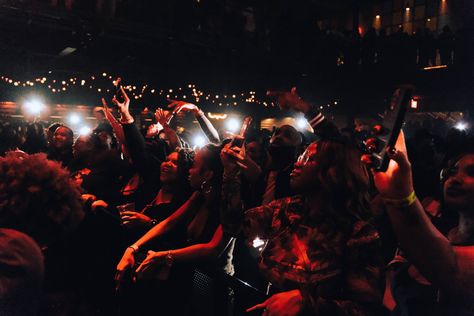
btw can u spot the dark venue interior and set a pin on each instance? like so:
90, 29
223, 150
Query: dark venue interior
223, 157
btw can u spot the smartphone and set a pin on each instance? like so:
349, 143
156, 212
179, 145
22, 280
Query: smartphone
239, 141
116, 89
393, 120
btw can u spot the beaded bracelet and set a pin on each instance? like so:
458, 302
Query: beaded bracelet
401, 203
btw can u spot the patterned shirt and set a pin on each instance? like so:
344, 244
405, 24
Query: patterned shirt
338, 270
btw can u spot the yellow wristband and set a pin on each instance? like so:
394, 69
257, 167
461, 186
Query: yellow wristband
134, 247
405, 202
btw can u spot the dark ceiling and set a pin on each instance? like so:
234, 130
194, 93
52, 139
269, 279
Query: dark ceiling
207, 42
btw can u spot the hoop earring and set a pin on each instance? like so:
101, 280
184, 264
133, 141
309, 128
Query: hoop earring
206, 188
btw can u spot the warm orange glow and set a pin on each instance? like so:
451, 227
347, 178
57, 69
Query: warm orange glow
435, 67
377, 22
443, 8
217, 116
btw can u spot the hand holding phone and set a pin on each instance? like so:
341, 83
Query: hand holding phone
239, 139
385, 135
116, 89
236, 148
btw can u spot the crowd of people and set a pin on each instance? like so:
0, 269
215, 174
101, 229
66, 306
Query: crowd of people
289, 31
373, 49
120, 222
421, 48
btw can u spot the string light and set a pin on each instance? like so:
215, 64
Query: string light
103, 82
217, 116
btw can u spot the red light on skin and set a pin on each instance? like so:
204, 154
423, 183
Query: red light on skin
367, 159
377, 129
414, 104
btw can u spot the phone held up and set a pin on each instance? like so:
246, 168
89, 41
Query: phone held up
385, 135
238, 140
117, 94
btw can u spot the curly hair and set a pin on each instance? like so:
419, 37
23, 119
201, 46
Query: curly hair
11, 135
37, 196
343, 177
35, 139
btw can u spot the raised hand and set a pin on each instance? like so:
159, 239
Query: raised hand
122, 106
396, 182
289, 100
162, 116
179, 106
231, 158
116, 126
153, 130
105, 106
